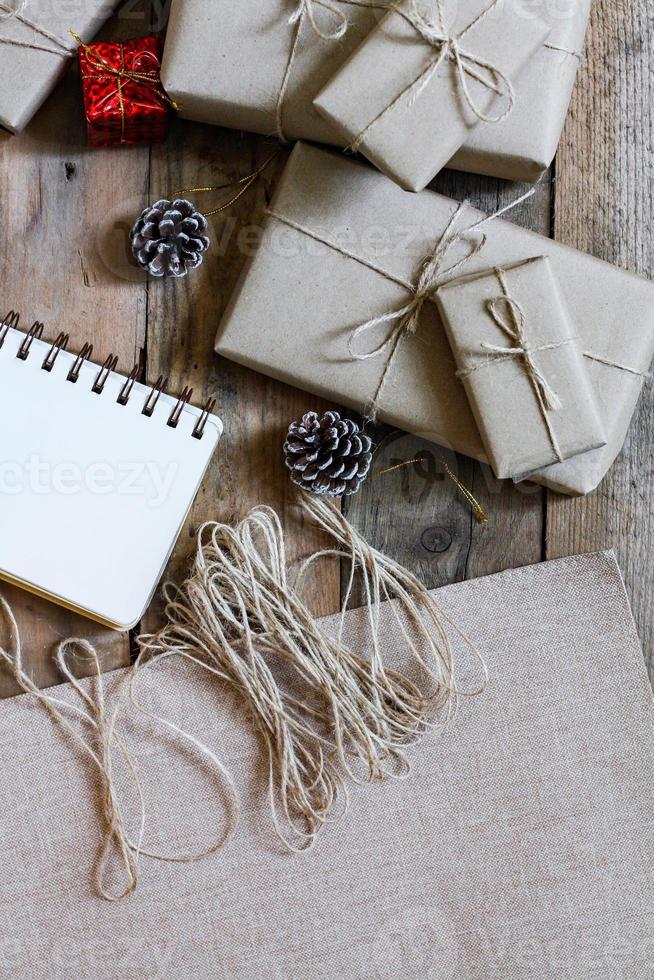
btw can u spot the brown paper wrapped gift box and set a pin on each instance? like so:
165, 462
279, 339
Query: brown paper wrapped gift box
409, 117
521, 845
225, 63
524, 145
531, 408
298, 301
36, 49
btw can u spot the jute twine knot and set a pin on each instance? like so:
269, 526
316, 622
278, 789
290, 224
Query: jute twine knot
433, 273
430, 276
509, 316
308, 8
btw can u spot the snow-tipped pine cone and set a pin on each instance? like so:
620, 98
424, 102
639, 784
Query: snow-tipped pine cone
168, 239
327, 455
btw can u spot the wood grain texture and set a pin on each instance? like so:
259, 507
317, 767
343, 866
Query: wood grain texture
604, 205
61, 253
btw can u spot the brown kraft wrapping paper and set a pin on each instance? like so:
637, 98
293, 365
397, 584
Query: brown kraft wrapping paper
408, 105
225, 64
523, 146
520, 846
36, 49
294, 310
519, 359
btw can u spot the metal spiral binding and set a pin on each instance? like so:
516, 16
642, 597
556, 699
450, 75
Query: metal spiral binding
61, 343
126, 390
34, 333
201, 423
157, 389
12, 320
106, 369
182, 402
83, 355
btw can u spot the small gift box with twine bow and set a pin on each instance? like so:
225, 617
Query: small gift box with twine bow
520, 362
410, 95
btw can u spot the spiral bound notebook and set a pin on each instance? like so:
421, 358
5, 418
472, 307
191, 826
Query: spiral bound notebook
97, 475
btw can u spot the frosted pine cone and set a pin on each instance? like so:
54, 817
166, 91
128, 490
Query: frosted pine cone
168, 240
327, 455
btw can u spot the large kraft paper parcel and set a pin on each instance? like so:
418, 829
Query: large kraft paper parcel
521, 845
225, 64
298, 301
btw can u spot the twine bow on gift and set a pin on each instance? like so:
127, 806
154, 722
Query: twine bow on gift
466, 64
433, 273
307, 8
509, 315
103, 70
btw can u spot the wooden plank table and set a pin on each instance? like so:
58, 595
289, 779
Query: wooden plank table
66, 210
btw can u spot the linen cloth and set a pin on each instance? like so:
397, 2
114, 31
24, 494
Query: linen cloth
521, 846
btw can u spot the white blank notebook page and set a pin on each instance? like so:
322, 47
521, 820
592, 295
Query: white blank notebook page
93, 494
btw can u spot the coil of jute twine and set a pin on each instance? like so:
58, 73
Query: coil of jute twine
326, 715
99, 736
509, 315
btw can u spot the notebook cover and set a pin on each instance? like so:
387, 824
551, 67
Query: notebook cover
521, 846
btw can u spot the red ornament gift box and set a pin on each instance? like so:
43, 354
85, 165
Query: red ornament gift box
124, 101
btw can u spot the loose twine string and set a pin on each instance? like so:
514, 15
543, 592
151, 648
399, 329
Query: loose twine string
337, 716
509, 315
98, 737
239, 615
325, 714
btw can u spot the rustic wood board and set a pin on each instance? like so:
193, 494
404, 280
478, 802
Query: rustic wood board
69, 209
